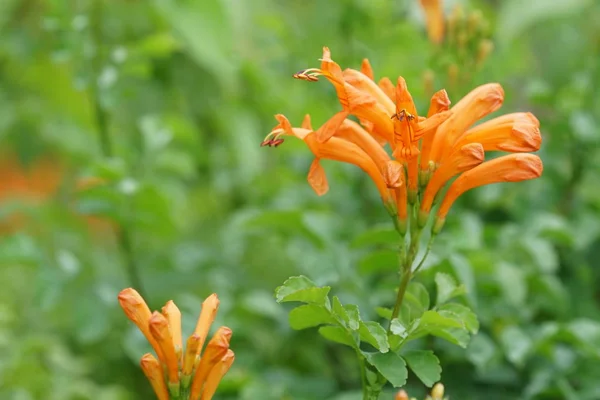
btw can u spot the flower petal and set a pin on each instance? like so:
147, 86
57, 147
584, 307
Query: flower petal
317, 178
480, 102
510, 168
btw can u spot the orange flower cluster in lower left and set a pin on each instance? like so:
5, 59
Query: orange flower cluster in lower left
180, 373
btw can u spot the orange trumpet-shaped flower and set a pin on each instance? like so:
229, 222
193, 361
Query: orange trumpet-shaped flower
426, 152
510, 168
439, 102
185, 378
332, 148
434, 19
480, 102
215, 351
216, 374
153, 371
515, 133
463, 159
360, 100
159, 327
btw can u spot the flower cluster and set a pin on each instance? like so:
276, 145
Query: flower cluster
427, 151
178, 373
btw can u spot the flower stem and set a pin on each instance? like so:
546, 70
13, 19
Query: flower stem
102, 121
406, 275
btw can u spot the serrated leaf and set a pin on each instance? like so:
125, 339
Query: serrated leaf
420, 293
353, 316
398, 329
338, 334
391, 366
457, 336
374, 334
338, 310
466, 315
447, 288
425, 365
411, 309
384, 312
300, 288
439, 320
309, 315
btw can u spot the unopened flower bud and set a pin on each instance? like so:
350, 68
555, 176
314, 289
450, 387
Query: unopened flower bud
401, 395
437, 393
484, 49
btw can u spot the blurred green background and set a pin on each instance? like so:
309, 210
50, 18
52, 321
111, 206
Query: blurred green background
167, 103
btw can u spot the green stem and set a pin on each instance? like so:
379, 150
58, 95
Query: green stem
429, 245
102, 122
406, 275
363, 374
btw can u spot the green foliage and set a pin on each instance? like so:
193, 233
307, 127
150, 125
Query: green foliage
186, 91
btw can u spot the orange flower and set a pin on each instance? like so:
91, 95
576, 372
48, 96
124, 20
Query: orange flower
153, 371
434, 19
324, 146
480, 102
401, 395
163, 331
427, 152
510, 168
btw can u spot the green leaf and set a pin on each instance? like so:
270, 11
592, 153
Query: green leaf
447, 288
516, 344
420, 293
457, 336
374, 334
391, 366
339, 335
309, 315
353, 316
398, 329
466, 315
411, 309
384, 312
425, 365
481, 350
348, 314
439, 320
300, 288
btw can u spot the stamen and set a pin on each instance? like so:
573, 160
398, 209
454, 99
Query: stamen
273, 138
310, 74
401, 114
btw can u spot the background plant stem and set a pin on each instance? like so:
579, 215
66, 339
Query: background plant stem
102, 122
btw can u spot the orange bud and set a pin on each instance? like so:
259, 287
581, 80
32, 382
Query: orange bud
207, 317
215, 350
159, 327
216, 374
138, 312
401, 395
192, 348
153, 371
173, 315
510, 168
434, 19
